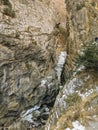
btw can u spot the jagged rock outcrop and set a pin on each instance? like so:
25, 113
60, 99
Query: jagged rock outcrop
38, 41
74, 102
30, 44
77, 101
32, 41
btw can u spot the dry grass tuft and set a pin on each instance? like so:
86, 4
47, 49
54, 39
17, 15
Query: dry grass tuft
82, 111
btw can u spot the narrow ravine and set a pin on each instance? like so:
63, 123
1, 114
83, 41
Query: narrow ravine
39, 81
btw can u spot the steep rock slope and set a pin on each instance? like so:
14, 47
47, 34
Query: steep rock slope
78, 100
76, 103
38, 41
30, 46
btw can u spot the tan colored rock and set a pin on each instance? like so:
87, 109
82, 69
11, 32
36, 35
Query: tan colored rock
28, 57
33, 35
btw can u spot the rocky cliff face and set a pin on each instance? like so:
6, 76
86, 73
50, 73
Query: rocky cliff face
76, 104
30, 46
38, 41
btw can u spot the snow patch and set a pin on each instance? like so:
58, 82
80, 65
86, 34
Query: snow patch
68, 89
43, 82
27, 115
72, 85
28, 118
79, 70
60, 64
56, 114
67, 129
95, 43
47, 127
76, 126
97, 88
86, 94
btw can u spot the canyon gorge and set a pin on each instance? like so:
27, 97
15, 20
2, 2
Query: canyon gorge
41, 88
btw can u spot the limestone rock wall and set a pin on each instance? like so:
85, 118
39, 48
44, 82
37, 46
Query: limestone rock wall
34, 35
29, 44
82, 27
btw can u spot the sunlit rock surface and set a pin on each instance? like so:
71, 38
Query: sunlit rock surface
28, 57
38, 41
77, 101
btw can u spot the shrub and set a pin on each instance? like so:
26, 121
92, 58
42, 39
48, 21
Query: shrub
93, 4
89, 58
8, 8
8, 11
6, 2
72, 99
80, 6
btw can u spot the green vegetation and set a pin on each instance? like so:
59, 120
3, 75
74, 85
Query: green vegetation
89, 58
80, 6
62, 30
8, 11
28, 66
80, 111
73, 99
6, 2
8, 8
93, 4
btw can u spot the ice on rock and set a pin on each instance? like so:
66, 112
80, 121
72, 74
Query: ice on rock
27, 115
67, 129
60, 64
77, 126
43, 82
